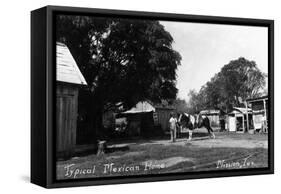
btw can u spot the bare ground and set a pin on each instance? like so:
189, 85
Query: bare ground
200, 154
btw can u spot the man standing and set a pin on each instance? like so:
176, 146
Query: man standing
173, 126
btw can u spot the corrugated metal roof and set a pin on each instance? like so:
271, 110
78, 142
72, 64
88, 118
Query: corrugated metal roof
67, 69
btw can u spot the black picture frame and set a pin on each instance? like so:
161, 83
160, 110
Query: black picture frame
43, 78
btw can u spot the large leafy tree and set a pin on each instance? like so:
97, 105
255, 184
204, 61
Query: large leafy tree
197, 101
180, 105
137, 62
123, 60
240, 78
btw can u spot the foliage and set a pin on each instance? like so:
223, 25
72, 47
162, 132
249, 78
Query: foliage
122, 60
132, 59
180, 105
240, 78
138, 62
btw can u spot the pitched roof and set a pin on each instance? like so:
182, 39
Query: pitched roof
67, 69
210, 111
141, 107
241, 110
257, 99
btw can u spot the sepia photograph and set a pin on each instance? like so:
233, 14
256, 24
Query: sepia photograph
137, 97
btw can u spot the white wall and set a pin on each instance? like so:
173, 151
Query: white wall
15, 103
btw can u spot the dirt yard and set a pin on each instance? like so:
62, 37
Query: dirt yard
227, 151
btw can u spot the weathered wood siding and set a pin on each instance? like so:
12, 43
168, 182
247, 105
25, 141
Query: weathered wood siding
66, 114
260, 112
163, 116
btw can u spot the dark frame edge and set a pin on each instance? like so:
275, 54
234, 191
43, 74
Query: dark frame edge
271, 92
50, 103
163, 16
147, 178
38, 97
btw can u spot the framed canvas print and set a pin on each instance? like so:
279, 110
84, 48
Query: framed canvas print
125, 96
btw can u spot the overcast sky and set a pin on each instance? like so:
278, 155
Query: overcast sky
206, 48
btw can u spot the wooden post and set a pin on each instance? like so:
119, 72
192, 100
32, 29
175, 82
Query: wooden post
265, 115
247, 116
243, 123
101, 147
235, 123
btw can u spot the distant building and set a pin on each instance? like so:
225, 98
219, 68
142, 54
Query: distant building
162, 116
140, 119
260, 112
147, 120
214, 116
237, 119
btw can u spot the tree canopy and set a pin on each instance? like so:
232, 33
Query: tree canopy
240, 78
122, 60
180, 105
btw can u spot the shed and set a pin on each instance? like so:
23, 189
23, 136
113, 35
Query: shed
213, 115
68, 80
260, 112
141, 107
161, 117
140, 119
237, 121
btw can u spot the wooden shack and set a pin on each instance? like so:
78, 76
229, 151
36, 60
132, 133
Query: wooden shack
140, 119
162, 116
213, 115
68, 80
260, 113
237, 119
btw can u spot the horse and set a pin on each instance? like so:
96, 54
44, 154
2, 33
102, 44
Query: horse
192, 122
